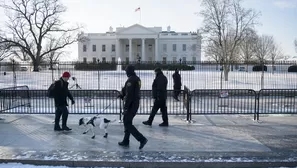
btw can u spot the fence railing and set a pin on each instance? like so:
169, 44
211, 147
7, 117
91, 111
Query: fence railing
111, 76
21, 100
14, 97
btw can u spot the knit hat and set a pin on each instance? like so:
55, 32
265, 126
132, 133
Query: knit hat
66, 75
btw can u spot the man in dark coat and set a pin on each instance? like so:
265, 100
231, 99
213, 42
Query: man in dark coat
160, 96
131, 96
176, 84
61, 93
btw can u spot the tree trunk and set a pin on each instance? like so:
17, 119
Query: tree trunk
35, 66
226, 72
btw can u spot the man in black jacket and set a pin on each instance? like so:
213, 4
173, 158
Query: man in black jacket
160, 97
176, 84
61, 93
131, 96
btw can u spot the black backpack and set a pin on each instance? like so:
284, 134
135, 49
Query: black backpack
51, 90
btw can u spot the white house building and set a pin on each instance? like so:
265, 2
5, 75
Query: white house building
137, 43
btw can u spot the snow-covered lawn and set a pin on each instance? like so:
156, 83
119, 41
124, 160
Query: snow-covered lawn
114, 80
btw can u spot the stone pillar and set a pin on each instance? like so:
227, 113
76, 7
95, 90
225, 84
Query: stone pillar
157, 49
130, 51
118, 49
143, 57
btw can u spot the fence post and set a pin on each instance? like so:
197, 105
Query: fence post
187, 99
121, 110
14, 74
257, 104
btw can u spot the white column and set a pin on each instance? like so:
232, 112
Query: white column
143, 57
156, 49
130, 50
118, 50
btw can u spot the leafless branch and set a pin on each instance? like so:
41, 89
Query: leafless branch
32, 24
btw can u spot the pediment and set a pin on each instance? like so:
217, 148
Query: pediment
136, 29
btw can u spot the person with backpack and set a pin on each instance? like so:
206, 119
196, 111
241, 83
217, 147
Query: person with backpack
59, 91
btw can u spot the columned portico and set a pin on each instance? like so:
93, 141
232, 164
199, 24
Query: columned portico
118, 49
130, 50
157, 49
143, 58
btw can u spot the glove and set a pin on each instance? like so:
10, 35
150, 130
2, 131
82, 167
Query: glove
121, 96
72, 102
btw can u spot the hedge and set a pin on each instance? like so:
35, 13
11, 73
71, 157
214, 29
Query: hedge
162, 66
259, 68
292, 68
95, 66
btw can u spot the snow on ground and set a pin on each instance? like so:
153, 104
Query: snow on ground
202, 78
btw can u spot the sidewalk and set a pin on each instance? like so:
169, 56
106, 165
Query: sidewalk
224, 141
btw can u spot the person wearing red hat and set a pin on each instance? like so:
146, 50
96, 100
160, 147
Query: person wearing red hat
61, 93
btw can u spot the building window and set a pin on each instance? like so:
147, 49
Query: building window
165, 47
113, 60
103, 48
127, 48
85, 60
94, 48
150, 48
84, 48
194, 47
184, 59
194, 60
127, 59
94, 60
103, 59
174, 59
184, 47
113, 48
164, 60
174, 47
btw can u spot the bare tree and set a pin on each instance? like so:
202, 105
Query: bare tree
4, 52
247, 51
32, 23
263, 50
225, 22
20, 54
53, 56
276, 54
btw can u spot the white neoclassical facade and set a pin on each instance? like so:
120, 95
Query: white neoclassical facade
137, 43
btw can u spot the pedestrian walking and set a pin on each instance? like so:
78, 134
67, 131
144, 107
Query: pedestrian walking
131, 96
176, 84
159, 88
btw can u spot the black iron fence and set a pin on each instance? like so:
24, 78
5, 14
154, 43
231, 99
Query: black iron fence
195, 75
21, 100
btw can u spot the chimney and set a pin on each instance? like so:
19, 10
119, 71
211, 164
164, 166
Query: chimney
168, 29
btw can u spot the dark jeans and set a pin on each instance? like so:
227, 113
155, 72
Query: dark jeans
61, 111
128, 124
159, 104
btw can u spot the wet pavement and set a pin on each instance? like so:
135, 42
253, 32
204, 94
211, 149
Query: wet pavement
208, 141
